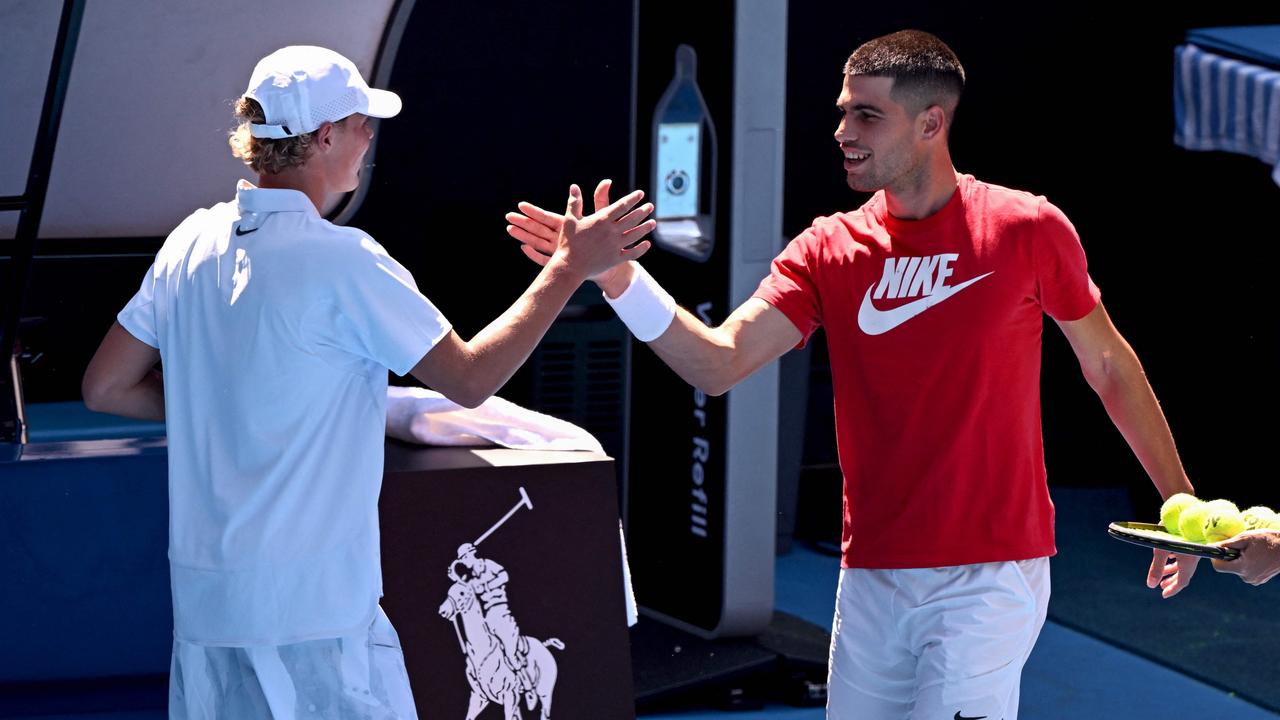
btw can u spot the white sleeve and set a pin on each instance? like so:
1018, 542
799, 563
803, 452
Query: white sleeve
138, 316
376, 312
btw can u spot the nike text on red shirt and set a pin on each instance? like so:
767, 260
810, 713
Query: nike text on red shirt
909, 277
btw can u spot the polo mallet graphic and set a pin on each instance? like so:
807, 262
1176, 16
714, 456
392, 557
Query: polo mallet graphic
524, 502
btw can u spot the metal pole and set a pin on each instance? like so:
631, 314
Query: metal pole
32, 201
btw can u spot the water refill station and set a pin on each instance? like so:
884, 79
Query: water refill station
699, 501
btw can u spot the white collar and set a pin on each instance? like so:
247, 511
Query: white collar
253, 199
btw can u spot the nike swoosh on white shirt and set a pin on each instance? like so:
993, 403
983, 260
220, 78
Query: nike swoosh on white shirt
877, 322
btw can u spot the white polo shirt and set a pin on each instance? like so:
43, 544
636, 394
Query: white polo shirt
276, 329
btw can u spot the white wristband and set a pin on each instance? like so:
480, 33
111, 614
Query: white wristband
644, 307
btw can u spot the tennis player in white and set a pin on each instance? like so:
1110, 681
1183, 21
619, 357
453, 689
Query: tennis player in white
276, 330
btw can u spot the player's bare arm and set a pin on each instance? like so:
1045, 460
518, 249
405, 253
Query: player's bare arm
1114, 372
716, 359
711, 359
121, 378
468, 372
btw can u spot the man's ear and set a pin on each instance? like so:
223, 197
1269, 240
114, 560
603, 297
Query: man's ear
935, 122
324, 136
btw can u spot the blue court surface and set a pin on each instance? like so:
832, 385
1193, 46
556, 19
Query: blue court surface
1070, 675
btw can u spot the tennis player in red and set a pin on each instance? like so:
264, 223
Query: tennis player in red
933, 295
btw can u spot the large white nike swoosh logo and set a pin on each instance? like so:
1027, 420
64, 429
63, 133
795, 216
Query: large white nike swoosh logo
877, 322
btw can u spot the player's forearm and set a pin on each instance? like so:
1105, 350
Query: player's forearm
497, 351
1130, 402
702, 356
143, 400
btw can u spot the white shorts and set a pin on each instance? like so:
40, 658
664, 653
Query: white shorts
934, 643
351, 677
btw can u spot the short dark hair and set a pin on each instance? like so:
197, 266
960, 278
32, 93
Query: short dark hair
924, 70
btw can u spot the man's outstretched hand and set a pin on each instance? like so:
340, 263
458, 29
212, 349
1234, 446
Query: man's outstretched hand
542, 233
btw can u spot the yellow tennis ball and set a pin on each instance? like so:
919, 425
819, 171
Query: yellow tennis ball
1258, 517
1172, 509
1191, 521
1223, 522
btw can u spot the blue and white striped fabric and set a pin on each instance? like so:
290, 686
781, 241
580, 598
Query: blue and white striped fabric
1225, 104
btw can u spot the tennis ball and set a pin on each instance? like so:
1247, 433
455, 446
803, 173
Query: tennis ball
1173, 508
1223, 522
1258, 517
1191, 521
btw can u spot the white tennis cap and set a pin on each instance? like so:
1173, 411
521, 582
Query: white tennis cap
301, 87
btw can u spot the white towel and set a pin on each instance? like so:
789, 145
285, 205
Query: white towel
1225, 104
419, 415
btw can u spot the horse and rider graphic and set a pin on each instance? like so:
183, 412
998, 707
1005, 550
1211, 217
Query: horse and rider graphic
502, 664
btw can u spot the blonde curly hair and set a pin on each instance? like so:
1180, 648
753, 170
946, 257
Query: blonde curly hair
265, 156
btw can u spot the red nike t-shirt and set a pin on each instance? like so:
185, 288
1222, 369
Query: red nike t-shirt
933, 327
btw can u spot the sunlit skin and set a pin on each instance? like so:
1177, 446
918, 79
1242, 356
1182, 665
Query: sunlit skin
356, 135
334, 159
904, 154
